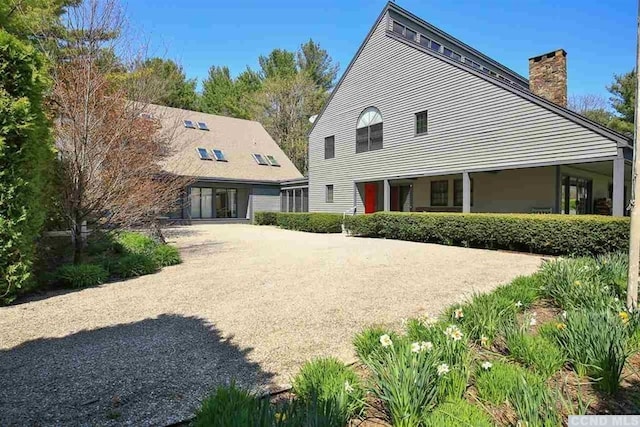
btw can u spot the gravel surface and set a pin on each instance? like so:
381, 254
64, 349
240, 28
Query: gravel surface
248, 303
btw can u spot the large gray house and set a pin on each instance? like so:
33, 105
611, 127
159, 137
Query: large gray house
421, 121
236, 168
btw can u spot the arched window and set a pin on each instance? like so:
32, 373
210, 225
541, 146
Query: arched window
369, 130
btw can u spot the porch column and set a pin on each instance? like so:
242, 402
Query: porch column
618, 186
387, 195
466, 193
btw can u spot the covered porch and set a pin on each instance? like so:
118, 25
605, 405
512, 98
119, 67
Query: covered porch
601, 188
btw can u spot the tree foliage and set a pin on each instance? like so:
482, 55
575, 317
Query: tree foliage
279, 63
26, 156
177, 91
317, 64
623, 100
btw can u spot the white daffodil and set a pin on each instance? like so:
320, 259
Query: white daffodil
415, 347
564, 314
484, 341
426, 345
385, 340
456, 335
458, 314
443, 369
486, 365
347, 387
519, 304
533, 321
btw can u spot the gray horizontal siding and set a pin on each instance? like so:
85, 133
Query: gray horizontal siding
266, 198
473, 124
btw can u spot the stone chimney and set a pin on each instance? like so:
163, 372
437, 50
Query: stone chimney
548, 76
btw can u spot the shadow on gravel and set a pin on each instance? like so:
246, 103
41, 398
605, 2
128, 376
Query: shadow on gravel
152, 372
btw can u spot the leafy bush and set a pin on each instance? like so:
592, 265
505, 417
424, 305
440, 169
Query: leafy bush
596, 345
612, 271
458, 413
302, 221
132, 265
165, 255
577, 284
546, 234
407, 381
265, 218
329, 380
81, 275
136, 243
367, 342
26, 161
535, 351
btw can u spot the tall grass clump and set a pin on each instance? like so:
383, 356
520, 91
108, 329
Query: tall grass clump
136, 243
230, 406
596, 343
535, 351
523, 291
578, 283
135, 264
165, 255
367, 342
496, 381
328, 381
405, 378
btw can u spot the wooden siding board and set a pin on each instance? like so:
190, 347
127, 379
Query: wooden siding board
472, 124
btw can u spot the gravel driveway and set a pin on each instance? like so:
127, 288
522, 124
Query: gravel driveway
250, 303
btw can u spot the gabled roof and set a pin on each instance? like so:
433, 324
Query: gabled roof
238, 139
620, 139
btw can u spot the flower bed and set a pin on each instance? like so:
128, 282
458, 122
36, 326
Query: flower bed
532, 352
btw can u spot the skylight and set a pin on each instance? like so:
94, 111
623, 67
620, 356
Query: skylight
260, 159
204, 154
219, 155
189, 124
202, 126
273, 160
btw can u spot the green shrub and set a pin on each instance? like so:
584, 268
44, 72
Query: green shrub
229, 406
136, 243
535, 351
135, 264
458, 413
576, 284
407, 381
596, 344
265, 218
545, 234
26, 161
367, 342
612, 271
533, 402
329, 380
302, 221
166, 255
101, 243
81, 275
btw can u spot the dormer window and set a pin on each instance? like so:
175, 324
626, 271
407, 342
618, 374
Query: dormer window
369, 130
204, 154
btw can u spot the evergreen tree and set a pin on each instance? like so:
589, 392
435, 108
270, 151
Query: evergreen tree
317, 64
177, 91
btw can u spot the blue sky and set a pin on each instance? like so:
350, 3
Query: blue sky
599, 36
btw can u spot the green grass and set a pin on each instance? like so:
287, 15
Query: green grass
329, 380
81, 275
535, 351
457, 413
136, 243
166, 255
523, 291
367, 342
230, 406
133, 265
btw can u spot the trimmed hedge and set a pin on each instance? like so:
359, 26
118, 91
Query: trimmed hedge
302, 221
536, 233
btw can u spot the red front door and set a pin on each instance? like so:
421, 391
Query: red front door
370, 197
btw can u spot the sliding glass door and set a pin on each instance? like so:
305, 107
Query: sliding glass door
202, 203
577, 196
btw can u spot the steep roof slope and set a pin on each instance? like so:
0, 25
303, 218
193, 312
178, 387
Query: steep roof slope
238, 139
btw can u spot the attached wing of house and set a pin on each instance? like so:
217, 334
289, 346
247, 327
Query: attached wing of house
421, 121
237, 167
